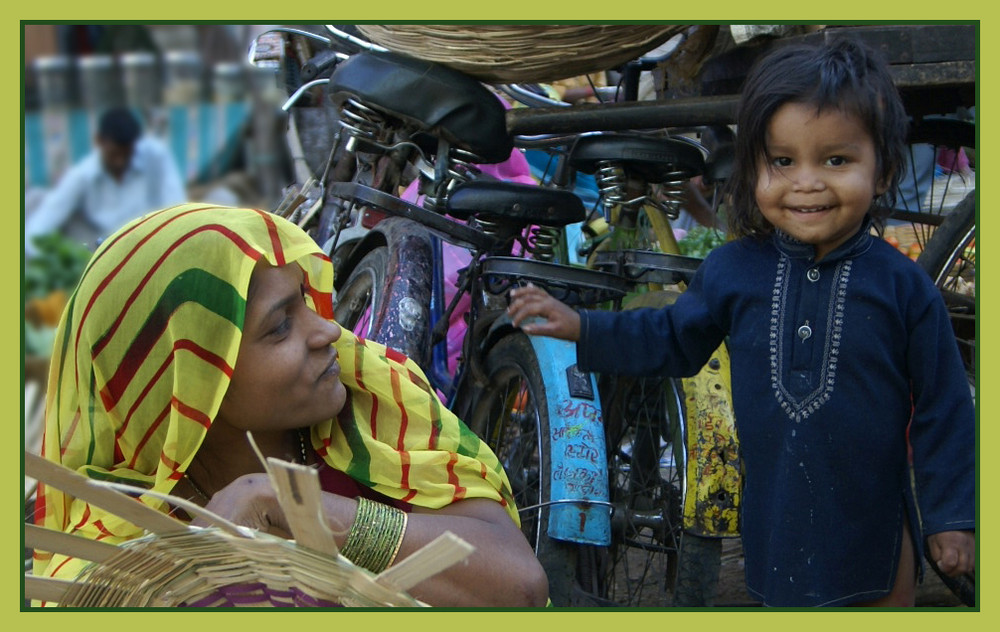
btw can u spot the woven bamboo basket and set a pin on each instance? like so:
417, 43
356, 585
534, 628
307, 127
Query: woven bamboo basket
225, 565
511, 53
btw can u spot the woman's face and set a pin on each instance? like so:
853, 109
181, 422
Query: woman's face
287, 374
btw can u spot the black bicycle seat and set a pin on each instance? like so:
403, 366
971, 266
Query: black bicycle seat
719, 165
652, 159
512, 202
438, 100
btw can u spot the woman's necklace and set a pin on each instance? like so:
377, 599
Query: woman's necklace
303, 460
201, 493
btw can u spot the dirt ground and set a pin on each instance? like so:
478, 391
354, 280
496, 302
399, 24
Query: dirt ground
732, 593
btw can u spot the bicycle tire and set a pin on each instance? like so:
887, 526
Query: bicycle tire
950, 260
511, 416
651, 560
361, 298
932, 185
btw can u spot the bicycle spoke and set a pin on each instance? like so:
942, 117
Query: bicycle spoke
645, 491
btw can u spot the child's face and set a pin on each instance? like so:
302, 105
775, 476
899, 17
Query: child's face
820, 177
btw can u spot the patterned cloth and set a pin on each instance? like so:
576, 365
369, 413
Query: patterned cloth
145, 351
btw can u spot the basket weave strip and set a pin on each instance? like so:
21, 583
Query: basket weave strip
233, 566
208, 567
510, 53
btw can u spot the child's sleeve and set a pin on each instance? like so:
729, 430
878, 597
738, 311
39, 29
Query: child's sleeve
942, 432
676, 340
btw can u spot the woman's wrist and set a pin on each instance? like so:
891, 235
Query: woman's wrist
376, 535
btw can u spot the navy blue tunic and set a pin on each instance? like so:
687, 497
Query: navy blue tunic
829, 360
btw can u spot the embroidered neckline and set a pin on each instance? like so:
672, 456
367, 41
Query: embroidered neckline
859, 243
796, 408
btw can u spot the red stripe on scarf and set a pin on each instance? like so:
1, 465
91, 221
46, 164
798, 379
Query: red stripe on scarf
322, 300
142, 222
149, 433
53, 573
453, 479
222, 230
85, 518
69, 434
40, 504
104, 530
172, 464
324, 449
397, 396
272, 231
395, 356
372, 421
188, 345
121, 264
191, 413
404, 470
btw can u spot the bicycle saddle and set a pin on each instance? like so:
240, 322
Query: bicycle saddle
719, 165
438, 100
652, 159
521, 203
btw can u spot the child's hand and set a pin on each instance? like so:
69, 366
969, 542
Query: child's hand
954, 552
530, 301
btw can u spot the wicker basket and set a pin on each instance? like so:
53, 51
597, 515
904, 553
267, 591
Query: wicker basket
510, 53
210, 568
223, 566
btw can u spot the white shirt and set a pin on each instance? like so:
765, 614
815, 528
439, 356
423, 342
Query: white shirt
151, 182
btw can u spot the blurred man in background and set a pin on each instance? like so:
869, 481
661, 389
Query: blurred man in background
126, 175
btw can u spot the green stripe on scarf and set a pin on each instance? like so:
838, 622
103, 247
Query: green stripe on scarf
360, 466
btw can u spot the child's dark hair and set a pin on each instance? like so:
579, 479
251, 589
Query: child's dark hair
120, 126
844, 75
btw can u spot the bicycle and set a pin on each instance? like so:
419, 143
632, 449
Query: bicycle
683, 113
393, 284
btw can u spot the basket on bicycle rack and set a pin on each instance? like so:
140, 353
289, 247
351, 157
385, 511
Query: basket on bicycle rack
510, 53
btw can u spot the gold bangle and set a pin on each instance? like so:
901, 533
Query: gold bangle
399, 541
376, 535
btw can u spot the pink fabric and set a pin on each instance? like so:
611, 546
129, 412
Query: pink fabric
947, 160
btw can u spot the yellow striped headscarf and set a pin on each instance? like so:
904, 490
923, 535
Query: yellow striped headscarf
146, 348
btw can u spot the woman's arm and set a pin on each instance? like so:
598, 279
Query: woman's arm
502, 571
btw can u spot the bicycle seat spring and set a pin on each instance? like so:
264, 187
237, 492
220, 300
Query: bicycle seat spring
460, 167
542, 241
611, 181
360, 122
612, 184
673, 194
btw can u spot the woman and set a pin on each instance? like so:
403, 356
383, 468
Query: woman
198, 323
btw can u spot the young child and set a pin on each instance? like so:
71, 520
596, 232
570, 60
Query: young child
841, 347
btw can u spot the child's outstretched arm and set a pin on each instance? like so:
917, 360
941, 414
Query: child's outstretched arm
530, 301
954, 552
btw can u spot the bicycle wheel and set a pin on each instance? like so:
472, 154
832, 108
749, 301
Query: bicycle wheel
511, 416
651, 561
937, 176
950, 260
362, 296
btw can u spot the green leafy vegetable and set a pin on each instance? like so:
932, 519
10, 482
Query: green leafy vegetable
700, 240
